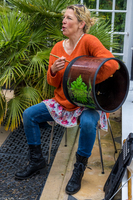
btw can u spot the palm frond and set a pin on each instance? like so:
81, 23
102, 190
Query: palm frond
13, 38
11, 74
49, 91
38, 39
29, 95
38, 64
54, 31
12, 24
4, 8
41, 83
59, 5
3, 105
34, 7
103, 32
14, 113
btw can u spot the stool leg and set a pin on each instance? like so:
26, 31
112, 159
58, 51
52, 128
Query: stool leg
50, 144
66, 137
100, 149
112, 135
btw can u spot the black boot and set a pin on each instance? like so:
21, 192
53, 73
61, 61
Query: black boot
74, 183
36, 164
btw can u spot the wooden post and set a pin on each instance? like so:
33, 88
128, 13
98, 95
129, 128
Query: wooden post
129, 174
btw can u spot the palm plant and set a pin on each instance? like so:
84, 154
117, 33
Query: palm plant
28, 31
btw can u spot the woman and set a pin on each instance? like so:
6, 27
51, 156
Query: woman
76, 22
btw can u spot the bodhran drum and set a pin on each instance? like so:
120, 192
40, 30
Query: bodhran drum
81, 88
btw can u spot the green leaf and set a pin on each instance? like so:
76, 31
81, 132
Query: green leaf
3, 106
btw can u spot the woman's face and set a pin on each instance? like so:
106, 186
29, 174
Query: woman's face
70, 24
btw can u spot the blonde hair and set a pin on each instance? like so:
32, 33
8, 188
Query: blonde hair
83, 14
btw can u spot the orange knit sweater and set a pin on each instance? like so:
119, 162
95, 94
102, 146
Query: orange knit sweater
88, 45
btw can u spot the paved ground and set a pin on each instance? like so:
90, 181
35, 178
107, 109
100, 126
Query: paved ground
127, 127
93, 180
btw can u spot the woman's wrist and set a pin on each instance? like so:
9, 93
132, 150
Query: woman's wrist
52, 73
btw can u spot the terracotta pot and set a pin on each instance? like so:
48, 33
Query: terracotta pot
80, 88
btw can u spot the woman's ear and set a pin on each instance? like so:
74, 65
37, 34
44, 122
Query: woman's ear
82, 24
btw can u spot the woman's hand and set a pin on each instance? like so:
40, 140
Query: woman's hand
58, 65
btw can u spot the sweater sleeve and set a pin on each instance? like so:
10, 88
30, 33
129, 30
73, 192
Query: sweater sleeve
53, 80
97, 49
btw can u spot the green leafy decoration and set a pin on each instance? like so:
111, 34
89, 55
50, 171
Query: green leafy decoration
79, 90
80, 93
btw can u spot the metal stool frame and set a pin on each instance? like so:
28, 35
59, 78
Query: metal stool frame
99, 142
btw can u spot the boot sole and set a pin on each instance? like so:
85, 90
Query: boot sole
42, 171
71, 193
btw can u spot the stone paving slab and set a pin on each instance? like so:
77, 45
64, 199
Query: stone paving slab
93, 181
3, 134
127, 127
57, 174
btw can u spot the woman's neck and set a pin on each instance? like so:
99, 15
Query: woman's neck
74, 39
72, 42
